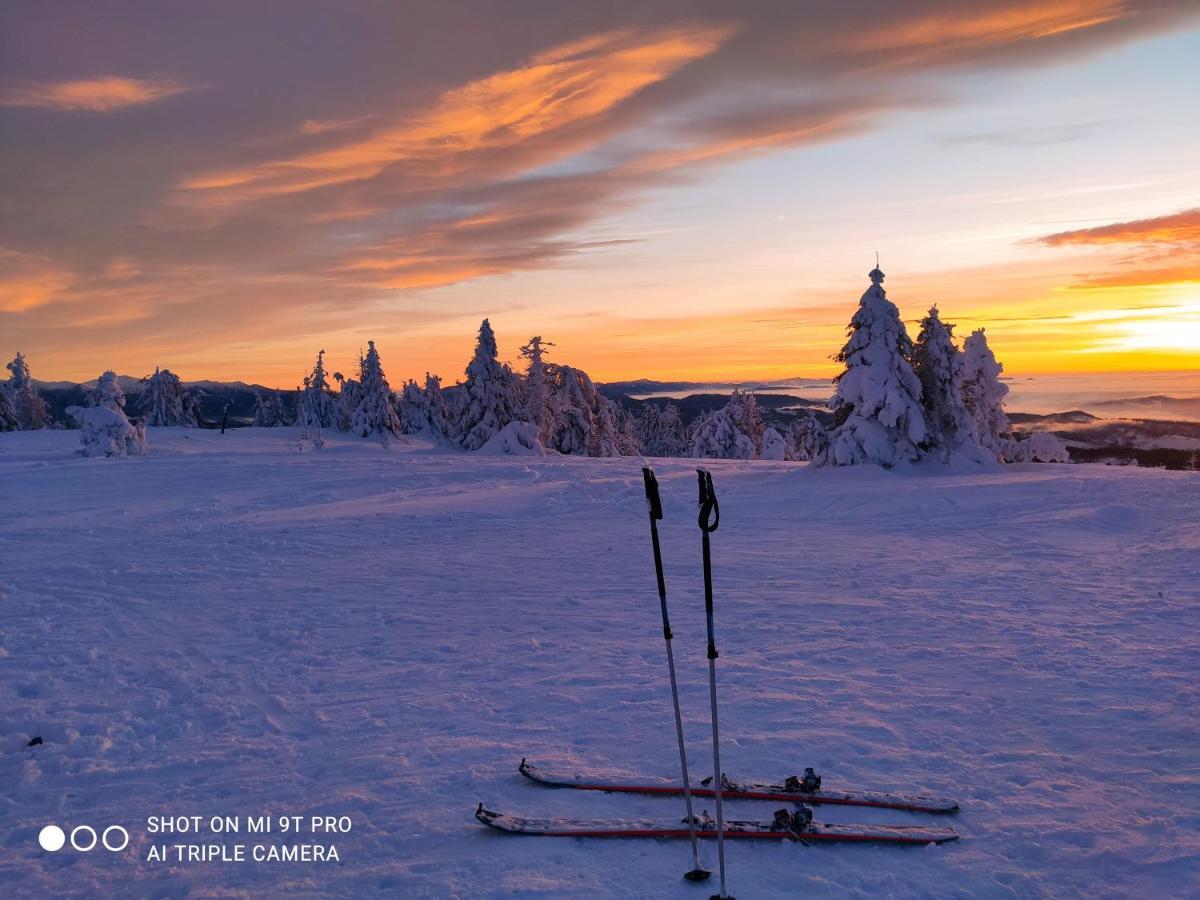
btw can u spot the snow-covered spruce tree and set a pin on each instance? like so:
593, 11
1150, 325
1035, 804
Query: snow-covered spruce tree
316, 401
412, 408
949, 425
28, 406
661, 430
774, 445
573, 421
983, 394
628, 441
743, 411
437, 408
349, 393
715, 435
107, 393
535, 398
878, 414
269, 410
424, 410
8, 415
374, 413
489, 394
1040, 446
106, 431
165, 402
809, 438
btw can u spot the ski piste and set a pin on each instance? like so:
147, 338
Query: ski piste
787, 826
791, 791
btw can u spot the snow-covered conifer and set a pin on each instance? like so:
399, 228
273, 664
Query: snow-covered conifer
8, 415
743, 411
107, 392
949, 425
809, 438
536, 407
374, 413
28, 406
106, 431
489, 394
315, 406
349, 393
574, 420
774, 446
628, 441
166, 403
661, 430
983, 394
412, 408
715, 435
269, 410
879, 417
437, 408
1040, 446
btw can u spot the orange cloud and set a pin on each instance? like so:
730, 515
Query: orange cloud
1180, 228
567, 86
983, 27
27, 282
104, 94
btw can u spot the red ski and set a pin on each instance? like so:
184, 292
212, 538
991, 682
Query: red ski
786, 826
804, 789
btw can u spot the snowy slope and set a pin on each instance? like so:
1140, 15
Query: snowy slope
231, 627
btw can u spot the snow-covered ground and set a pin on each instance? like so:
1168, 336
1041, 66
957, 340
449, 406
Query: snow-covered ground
231, 627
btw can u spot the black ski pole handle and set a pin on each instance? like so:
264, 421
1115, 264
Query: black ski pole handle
710, 510
652, 493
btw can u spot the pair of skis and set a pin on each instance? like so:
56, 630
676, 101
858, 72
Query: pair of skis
796, 825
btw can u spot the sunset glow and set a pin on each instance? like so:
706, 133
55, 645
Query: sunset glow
671, 195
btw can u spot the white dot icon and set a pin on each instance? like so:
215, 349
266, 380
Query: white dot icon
52, 838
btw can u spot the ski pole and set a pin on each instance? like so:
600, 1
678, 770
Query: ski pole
698, 873
710, 518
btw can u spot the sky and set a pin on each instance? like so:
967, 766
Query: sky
669, 190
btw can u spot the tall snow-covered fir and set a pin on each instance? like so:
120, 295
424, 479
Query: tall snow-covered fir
489, 398
983, 393
536, 392
26, 404
374, 414
949, 425
165, 402
315, 404
879, 417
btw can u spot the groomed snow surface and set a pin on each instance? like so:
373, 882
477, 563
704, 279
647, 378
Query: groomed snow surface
231, 627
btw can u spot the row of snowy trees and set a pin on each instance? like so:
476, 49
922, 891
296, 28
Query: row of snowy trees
561, 404
896, 401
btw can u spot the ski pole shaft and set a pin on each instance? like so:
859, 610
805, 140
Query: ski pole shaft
710, 518
655, 503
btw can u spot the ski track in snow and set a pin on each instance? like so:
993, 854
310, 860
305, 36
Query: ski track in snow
231, 627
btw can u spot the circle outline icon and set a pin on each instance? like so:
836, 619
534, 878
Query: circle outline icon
89, 847
104, 838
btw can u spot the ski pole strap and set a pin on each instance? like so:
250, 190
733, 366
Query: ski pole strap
710, 511
652, 493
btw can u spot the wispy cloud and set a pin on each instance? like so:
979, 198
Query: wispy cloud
103, 94
1177, 228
